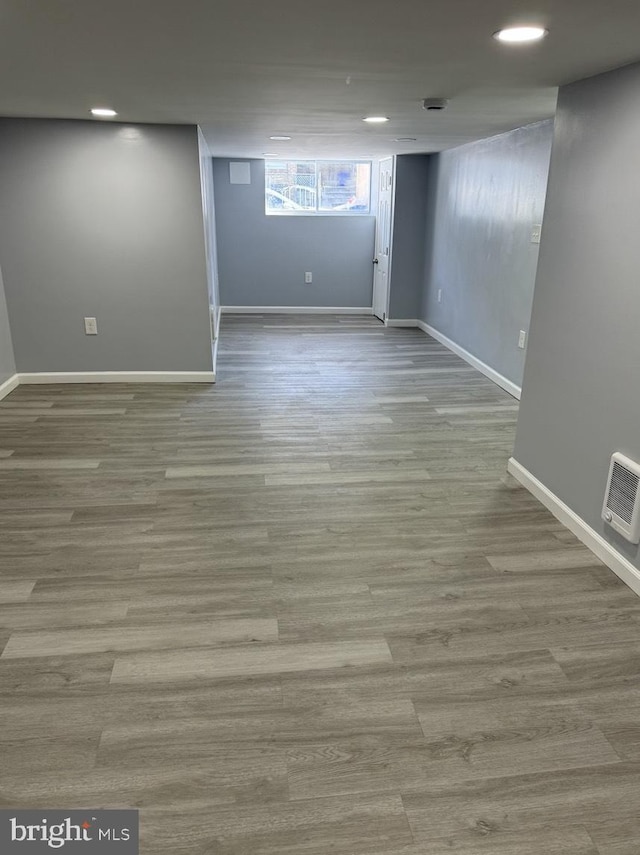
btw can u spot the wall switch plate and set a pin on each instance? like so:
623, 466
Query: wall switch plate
90, 326
439, 295
536, 233
522, 339
308, 277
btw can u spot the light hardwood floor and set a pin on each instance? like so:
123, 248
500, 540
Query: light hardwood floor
307, 612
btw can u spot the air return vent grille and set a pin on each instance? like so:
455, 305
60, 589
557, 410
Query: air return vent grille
621, 507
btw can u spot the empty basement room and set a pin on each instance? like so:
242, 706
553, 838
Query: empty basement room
319, 447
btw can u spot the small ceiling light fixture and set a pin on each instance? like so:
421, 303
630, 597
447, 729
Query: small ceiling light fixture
520, 35
376, 120
280, 138
103, 112
405, 139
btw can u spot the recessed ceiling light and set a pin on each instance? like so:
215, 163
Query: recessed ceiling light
521, 34
376, 120
103, 112
405, 139
280, 138
268, 154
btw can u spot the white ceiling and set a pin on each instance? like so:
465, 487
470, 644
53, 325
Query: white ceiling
246, 69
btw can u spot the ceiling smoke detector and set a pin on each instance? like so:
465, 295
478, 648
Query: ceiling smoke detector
435, 103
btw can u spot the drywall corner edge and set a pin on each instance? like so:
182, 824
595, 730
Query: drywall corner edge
483, 368
9, 385
215, 334
629, 574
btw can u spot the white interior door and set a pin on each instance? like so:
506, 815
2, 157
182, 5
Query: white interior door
382, 261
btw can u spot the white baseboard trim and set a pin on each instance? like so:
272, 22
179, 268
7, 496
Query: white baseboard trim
296, 310
8, 386
43, 377
401, 322
485, 369
603, 550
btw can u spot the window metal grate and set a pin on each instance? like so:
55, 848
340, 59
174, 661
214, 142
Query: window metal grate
317, 187
623, 492
621, 508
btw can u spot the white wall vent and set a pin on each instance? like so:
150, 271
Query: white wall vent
621, 507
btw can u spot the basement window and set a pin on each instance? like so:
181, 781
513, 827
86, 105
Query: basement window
317, 187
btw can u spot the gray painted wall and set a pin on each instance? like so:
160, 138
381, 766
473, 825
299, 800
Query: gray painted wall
262, 259
580, 397
102, 219
7, 360
409, 230
483, 200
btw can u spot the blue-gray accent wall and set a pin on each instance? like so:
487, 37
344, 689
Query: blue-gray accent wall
580, 399
483, 200
409, 235
262, 259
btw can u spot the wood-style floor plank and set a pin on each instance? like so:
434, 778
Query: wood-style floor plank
165, 635
204, 662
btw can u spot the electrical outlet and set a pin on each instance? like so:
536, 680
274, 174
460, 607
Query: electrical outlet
439, 295
308, 277
90, 326
536, 233
522, 339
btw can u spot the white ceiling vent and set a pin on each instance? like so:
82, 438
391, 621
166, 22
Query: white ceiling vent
621, 507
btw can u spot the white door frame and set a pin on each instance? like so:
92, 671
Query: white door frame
387, 296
